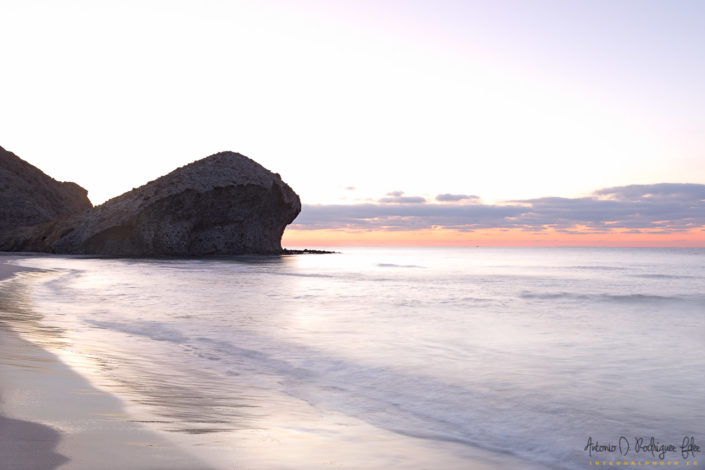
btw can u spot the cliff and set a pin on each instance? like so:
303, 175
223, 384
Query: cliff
29, 197
221, 205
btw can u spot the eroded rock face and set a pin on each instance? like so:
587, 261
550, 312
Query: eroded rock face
224, 204
29, 197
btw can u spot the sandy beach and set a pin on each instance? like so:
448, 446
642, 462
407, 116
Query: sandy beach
355, 361
51, 417
23, 444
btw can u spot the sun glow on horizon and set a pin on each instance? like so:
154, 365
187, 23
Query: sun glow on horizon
694, 238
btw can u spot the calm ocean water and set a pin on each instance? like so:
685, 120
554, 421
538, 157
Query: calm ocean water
389, 358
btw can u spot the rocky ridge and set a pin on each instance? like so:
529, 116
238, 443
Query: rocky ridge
30, 197
221, 205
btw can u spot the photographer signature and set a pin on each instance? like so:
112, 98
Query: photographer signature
688, 447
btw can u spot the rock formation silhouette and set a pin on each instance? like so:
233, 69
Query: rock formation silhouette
29, 197
224, 204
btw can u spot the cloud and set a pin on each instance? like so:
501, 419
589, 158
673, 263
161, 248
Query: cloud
662, 191
402, 200
397, 197
666, 207
457, 197
402, 217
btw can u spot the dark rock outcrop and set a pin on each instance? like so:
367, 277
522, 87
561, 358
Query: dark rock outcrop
221, 205
29, 197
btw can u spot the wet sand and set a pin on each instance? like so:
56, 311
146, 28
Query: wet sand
59, 419
51, 417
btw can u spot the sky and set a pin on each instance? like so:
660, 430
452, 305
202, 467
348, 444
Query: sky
526, 122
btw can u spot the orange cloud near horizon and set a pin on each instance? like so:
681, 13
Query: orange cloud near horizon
694, 238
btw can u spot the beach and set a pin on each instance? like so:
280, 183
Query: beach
54, 416
480, 359
51, 416
23, 444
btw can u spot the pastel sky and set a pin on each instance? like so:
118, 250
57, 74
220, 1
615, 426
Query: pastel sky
526, 122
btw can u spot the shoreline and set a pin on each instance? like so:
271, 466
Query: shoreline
7, 271
23, 444
92, 427
51, 416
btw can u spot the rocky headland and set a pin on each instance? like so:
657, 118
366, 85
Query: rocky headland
224, 204
30, 197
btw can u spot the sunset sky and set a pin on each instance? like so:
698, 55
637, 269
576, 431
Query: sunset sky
442, 122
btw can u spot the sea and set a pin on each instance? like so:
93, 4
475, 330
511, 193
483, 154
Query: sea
371, 358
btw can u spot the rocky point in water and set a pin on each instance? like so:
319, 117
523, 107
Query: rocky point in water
221, 205
29, 197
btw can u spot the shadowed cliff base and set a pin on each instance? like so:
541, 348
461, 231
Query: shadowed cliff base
306, 251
